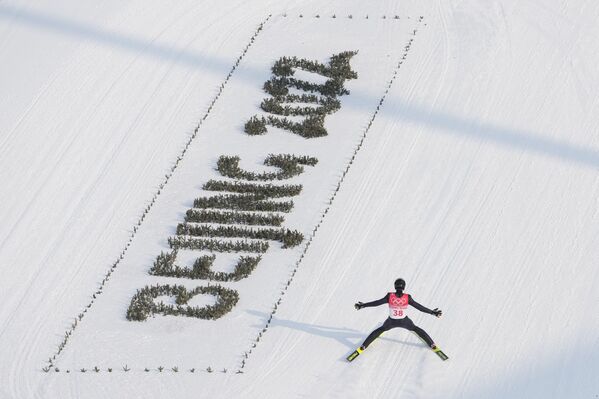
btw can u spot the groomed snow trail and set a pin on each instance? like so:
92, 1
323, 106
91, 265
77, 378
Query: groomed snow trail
478, 184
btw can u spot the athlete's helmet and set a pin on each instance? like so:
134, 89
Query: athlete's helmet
400, 284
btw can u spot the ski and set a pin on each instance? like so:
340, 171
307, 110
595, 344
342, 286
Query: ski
357, 352
354, 354
440, 353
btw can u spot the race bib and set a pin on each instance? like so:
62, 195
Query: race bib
398, 306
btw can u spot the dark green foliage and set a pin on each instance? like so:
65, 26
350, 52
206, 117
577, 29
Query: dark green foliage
243, 202
201, 269
143, 306
338, 70
244, 267
267, 190
211, 216
292, 238
282, 160
279, 86
287, 237
312, 126
164, 263
255, 126
284, 67
218, 245
327, 105
289, 165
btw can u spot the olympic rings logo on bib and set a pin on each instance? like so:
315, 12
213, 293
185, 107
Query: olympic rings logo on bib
397, 305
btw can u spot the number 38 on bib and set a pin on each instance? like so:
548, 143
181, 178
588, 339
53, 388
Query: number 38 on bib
397, 305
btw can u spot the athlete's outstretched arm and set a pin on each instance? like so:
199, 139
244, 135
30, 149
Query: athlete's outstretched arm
378, 302
424, 309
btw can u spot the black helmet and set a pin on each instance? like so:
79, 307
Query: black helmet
400, 284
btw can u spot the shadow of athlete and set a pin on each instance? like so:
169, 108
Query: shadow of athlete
398, 304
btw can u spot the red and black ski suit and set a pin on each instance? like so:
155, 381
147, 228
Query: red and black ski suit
404, 322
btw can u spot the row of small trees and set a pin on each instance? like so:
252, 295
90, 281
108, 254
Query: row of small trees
143, 305
327, 105
244, 202
233, 217
322, 97
338, 67
213, 245
243, 219
288, 165
201, 269
68, 333
289, 238
268, 190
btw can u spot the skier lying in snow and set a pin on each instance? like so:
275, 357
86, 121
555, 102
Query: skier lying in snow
398, 303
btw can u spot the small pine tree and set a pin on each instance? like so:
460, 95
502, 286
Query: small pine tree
255, 126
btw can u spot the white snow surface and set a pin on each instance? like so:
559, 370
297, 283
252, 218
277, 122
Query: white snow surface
477, 182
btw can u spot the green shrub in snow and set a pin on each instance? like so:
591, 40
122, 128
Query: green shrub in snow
288, 237
267, 190
164, 265
274, 105
218, 245
243, 202
229, 217
289, 165
255, 126
143, 305
311, 127
338, 70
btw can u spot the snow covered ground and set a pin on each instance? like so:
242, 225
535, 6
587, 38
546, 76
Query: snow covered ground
477, 183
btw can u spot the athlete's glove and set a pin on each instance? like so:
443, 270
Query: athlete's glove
358, 305
437, 312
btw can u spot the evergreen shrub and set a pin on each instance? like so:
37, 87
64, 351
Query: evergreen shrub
143, 306
230, 217
164, 265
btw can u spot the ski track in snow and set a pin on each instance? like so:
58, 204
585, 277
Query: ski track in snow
487, 229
